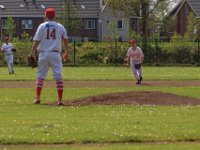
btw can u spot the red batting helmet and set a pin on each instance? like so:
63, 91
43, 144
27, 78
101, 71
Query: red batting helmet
50, 13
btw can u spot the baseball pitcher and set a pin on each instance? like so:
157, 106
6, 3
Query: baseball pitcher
48, 40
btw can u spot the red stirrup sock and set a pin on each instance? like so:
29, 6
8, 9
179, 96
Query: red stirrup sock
59, 84
39, 85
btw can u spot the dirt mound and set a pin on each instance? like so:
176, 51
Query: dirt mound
134, 97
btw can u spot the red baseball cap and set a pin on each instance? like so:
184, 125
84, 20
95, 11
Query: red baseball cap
132, 41
50, 13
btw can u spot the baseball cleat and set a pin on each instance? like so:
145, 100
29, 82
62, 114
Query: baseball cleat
60, 103
138, 82
36, 101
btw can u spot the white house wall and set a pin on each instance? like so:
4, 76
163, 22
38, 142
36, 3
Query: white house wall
109, 15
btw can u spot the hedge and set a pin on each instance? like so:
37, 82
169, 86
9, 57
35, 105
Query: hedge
114, 53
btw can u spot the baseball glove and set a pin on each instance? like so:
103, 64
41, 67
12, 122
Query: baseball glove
32, 62
138, 66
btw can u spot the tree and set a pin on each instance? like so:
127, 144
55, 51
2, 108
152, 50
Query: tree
162, 23
191, 27
69, 16
113, 30
114, 38
141, 8
10, 27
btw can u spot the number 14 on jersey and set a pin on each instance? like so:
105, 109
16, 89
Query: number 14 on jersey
51, 33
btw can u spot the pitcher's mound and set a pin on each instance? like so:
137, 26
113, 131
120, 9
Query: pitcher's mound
133, 97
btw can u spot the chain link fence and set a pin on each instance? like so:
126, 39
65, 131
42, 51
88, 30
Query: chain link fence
113, 53
158, 52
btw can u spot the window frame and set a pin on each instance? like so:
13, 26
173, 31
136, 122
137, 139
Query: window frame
89, 26
134, 24
3, 24
26, 25
120, 21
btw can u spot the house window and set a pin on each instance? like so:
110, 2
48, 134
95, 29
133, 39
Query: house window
3, 24
134, 24
89, 24
27, 24
119, 24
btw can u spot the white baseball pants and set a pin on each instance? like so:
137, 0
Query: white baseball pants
136, 72
9, 60
47, 60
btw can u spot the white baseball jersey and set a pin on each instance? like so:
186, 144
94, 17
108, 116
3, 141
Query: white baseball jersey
50, 35
7, 48
135, 55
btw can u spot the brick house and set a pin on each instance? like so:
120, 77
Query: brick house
181, 11
28, 14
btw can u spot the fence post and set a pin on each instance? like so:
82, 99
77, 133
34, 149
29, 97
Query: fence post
157, 52
74, 53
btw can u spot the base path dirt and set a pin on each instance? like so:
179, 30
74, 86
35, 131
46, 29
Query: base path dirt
134, 97
52, 84
90, 145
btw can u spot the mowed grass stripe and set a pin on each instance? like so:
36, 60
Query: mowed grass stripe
108, 73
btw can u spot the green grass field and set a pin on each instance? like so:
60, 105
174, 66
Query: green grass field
108, 73
25, 123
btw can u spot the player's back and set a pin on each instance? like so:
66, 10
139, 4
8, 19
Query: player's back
50, 35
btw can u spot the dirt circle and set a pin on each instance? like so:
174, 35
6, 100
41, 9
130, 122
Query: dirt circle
133, 97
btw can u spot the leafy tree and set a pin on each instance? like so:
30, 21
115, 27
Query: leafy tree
69, 17
25, 37
113, 40
113, 30
192, 26
168, 23
161, 22
141, 8
10, 27
133, 34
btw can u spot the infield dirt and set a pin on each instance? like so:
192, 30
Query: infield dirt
133, 97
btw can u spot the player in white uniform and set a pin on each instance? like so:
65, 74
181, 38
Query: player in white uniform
48, 39
7, 49
135, 56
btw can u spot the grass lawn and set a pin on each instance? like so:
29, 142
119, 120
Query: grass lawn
25, 123
22, 122
108, 73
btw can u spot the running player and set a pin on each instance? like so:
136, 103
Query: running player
135, 56
48, 39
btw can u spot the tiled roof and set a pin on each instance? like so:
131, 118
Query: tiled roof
195, 5
27, 8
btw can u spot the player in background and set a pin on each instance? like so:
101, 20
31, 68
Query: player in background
48, 40
135, 56
7, 49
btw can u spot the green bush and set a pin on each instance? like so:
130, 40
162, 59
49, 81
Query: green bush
89, 53
181, 52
